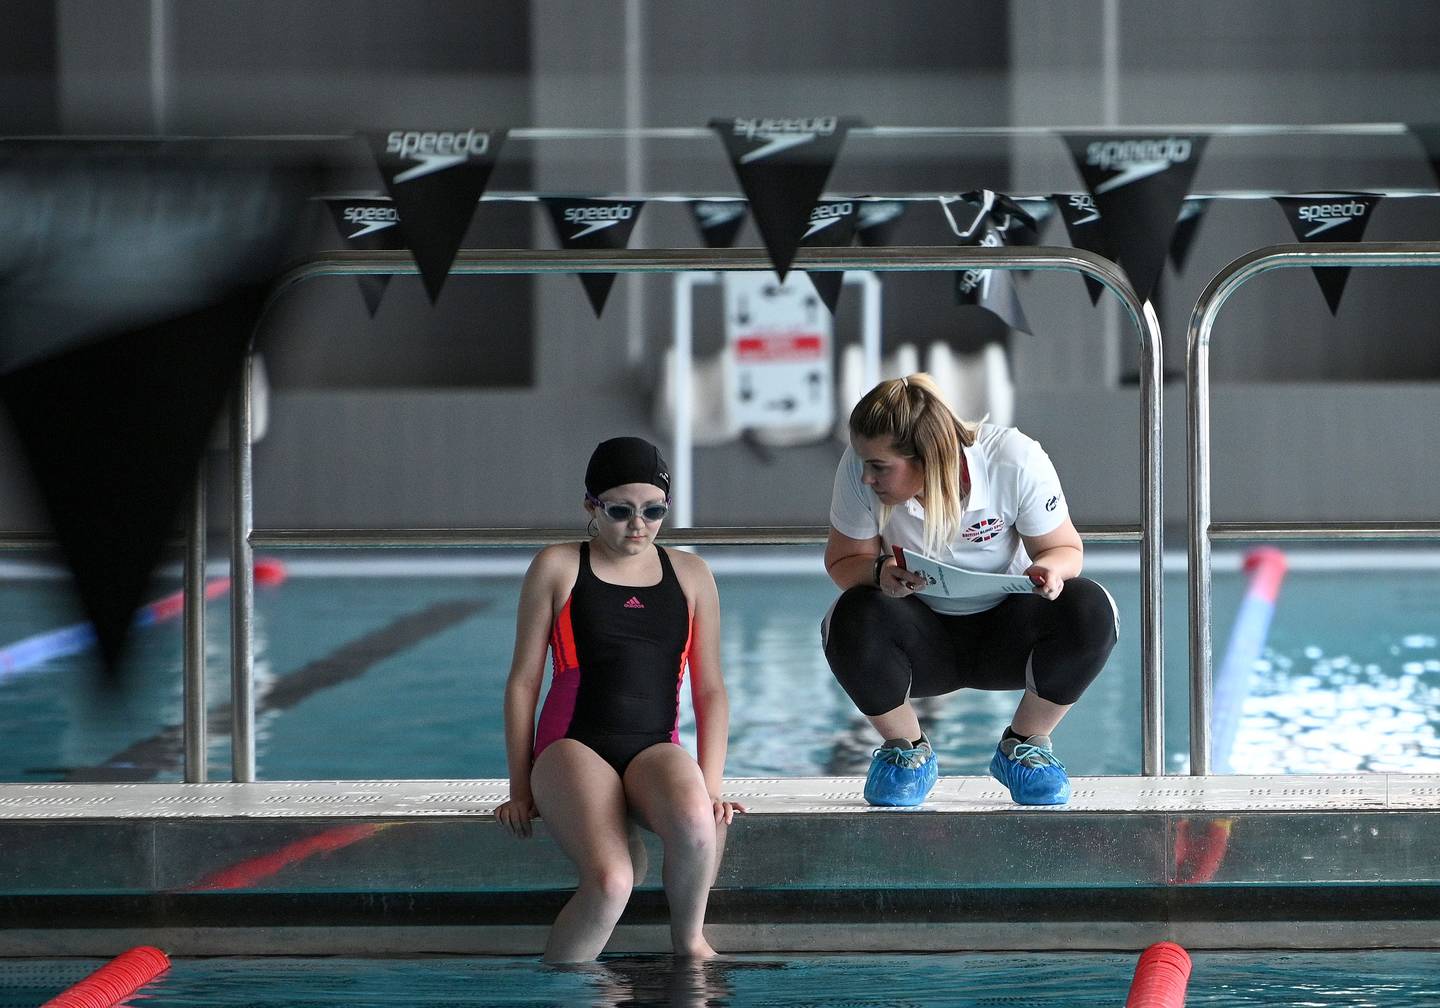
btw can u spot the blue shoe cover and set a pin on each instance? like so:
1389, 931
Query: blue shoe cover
901, 774
1031, 771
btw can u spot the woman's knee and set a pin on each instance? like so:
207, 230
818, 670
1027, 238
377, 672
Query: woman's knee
864, 650
1090, 611
1078, 643
859, 607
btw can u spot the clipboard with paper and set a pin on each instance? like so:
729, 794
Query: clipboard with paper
948, 581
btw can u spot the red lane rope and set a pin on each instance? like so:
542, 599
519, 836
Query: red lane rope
267, 572
1266, 566
115, 981
1161, 977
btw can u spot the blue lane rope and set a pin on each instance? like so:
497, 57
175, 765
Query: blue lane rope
1266, 567
31, 652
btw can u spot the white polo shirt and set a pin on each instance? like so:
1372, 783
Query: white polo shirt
1014, 491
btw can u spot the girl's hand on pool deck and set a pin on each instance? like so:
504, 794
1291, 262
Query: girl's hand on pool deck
1048, 583
725, 810
515, 815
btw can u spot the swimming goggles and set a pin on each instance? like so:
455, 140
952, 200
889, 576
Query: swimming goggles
617, 512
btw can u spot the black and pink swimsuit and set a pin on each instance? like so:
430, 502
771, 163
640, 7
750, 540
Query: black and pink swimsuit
619, 656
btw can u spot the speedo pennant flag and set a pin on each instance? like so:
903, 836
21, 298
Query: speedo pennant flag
123, 329
876, 220
369, 225
1016, 223
1139, 182
117, 463
832, 225
594, 224
436, 178
971, 218
1329, 217
719, 221
1187, 226
782, 166
1082, 225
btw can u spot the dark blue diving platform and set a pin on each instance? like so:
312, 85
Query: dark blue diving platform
368, 867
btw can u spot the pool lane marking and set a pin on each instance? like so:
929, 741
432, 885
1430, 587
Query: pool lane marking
165, 749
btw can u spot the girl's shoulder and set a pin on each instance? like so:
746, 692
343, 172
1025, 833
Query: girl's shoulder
687, 562
692, 571
555, 561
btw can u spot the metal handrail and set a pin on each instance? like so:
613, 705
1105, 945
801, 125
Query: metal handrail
1324, 532
1197, 422
716, 535
195, 724
754, 535
471, 262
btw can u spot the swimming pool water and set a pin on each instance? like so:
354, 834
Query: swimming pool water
1391, 979
374, 670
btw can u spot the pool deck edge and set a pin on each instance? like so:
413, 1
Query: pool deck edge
422, 866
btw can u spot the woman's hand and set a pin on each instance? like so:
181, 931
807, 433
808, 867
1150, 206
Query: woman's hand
1048, 582
725, 810
897, 582
515, 815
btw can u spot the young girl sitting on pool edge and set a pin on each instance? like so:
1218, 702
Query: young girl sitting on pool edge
623, 618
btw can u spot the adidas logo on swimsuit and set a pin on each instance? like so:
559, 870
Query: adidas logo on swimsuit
634, 603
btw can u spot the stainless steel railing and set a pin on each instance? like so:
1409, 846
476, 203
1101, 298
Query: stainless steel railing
1200, 530
506, 261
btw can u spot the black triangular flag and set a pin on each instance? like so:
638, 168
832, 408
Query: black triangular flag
436, 178
875, 221
1030, 223
594, 224
782, 165
1429, 136
972, 219
832, 225
1138, 183
1187, 226
1082, 224
719, 221
1329, 217
114, 430
1014, 222
123, 327
368, 224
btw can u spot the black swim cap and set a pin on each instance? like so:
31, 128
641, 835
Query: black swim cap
624, 460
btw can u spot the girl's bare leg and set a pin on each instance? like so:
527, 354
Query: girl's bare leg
666, 792
582, 803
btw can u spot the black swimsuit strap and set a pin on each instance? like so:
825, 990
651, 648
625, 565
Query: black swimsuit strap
667, 569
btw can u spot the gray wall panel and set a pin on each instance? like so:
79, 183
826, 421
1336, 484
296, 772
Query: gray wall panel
430, 457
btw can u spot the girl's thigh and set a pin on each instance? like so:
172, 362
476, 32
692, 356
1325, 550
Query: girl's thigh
582, 803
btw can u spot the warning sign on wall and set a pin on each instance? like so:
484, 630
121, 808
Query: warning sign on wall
778, 358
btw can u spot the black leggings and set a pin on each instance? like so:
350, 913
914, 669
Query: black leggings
883, 650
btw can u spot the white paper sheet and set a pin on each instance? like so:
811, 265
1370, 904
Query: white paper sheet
949, 581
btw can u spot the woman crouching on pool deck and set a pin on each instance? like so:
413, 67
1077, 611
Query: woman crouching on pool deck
622, 618
983, 498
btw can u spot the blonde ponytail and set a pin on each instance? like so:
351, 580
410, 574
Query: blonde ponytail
911, 414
